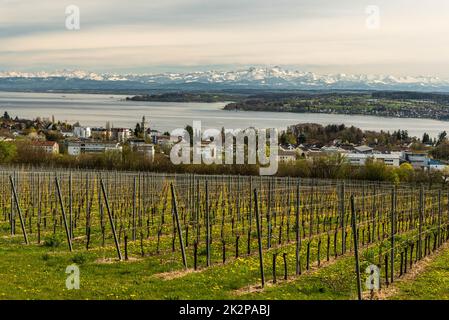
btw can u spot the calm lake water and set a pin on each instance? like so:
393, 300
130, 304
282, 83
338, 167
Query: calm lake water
96, 109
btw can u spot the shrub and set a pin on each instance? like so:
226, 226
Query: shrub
52, 241
79, 258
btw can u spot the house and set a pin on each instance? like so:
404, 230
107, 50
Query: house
100, 134
120, 134
416, 159
153, 134
51, 147
389, 159
76, 148
315, 152
287, 155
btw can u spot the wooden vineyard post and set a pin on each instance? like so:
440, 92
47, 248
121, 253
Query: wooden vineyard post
393, 221
250, 207
356, 248
373, 215
134, 209
421, 215
269, 215
70, 207
16, 200
195, 255
64, 218
259, 239
178, 225
207, 227
439, 219
39, 208
298, 237
111, 221
342, 218
12, 216
126, 247
197, 211
284, 257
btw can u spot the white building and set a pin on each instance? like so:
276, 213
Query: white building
416, 159
287, 155
120, 134
76, 148
82, 132
46, 146
389, 159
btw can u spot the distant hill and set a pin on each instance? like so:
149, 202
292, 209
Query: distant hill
248, 79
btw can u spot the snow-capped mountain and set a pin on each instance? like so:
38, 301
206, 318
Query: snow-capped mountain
275, 77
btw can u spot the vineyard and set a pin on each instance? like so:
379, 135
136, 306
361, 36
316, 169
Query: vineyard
146, 235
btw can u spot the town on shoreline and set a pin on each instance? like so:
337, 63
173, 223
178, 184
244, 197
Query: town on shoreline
47, 140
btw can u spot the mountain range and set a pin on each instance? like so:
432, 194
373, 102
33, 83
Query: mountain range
251, 78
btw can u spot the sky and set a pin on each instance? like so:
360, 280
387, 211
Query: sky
398, 37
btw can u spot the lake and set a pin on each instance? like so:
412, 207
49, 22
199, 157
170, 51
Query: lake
96, 109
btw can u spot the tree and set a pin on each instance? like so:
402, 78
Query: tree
8, 152
53, 135
441, 151
288, 138
301, 138
426, 138
137, 130
405, 171
442, 137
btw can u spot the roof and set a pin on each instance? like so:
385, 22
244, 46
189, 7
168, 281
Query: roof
83, 143
374, 155
433, 162
363, 148
333, 149
283, 152
44, 143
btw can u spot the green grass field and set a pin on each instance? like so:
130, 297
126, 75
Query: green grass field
35, 272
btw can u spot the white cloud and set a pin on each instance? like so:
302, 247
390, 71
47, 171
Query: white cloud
197, 32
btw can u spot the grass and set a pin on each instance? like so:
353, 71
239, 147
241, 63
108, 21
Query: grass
37, 272
431, 284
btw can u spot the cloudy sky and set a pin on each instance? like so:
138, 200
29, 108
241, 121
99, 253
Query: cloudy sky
326, 36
